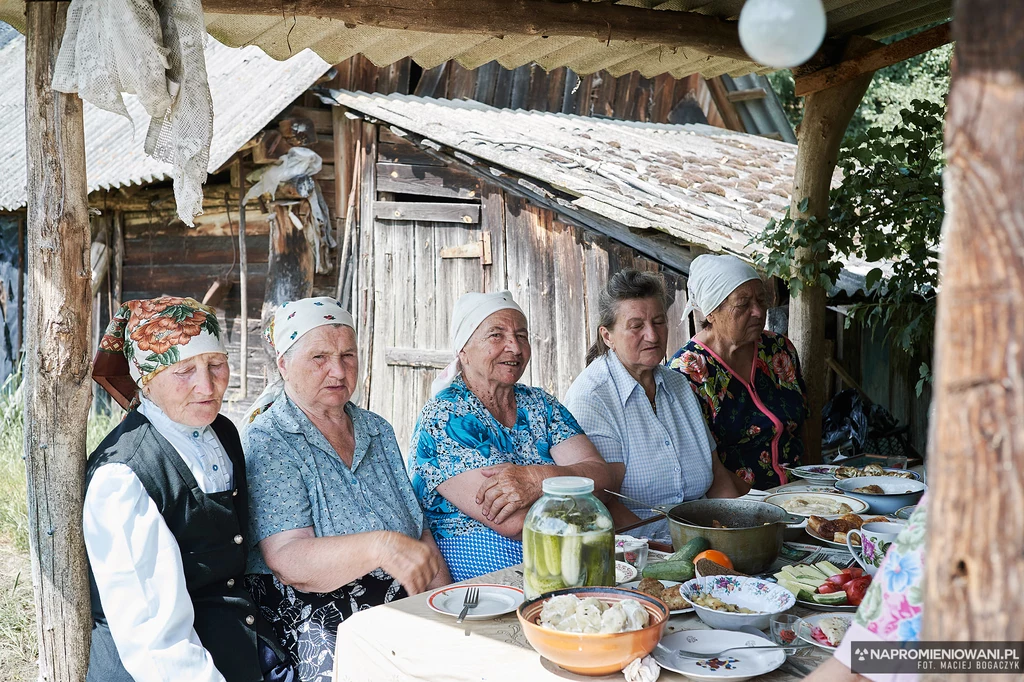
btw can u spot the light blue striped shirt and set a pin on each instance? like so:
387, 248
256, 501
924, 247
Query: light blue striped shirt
667, 453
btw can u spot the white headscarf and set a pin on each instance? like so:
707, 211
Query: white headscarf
470, 312
712, 279
292, 321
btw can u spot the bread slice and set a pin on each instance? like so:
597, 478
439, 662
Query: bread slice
706, 567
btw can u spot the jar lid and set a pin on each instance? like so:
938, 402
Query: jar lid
567, 485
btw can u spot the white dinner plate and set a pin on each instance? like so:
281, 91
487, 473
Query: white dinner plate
635, 585
803, 628
815, 472
856, 506
735, 665
494, 601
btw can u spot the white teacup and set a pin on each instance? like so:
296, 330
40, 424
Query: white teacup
875, 539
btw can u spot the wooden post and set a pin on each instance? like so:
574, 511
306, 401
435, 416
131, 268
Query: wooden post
117, 266
243, 291
289, 264
975, 534
826, 115
57, 358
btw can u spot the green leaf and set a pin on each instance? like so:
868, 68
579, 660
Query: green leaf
804, 203
168, 357
873, 277
211, 325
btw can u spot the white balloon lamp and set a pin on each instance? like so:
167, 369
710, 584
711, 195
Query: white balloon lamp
782, 33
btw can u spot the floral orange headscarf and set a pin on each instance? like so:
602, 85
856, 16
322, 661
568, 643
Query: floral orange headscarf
147, 336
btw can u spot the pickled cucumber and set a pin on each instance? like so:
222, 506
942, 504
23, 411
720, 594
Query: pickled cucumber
572, 559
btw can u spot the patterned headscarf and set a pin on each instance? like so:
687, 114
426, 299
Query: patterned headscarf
146, 337
291, 322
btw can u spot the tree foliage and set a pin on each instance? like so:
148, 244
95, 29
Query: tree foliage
888, 211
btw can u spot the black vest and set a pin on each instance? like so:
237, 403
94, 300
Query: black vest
210, 533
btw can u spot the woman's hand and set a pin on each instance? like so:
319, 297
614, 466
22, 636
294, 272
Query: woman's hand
413, 563
507, 488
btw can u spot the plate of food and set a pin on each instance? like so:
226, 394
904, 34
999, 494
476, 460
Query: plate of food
842, 472
824, 586
832, 530
817, 504
665, 590
825, 630
815, 472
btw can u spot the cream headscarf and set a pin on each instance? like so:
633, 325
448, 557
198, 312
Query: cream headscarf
470, 312
712, 279
291, 322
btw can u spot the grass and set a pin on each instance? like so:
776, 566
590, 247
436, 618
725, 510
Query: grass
18, 650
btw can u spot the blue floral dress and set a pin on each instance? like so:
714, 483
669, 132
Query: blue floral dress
755, 420
455, 433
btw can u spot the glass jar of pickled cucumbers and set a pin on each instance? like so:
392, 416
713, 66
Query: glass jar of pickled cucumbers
568, 538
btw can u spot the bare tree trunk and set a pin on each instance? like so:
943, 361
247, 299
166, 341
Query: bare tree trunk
975, 571
826, 115
57, 358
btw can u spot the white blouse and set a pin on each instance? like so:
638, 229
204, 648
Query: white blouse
137, 564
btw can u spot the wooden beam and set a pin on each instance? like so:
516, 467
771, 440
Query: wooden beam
826, 115
876, 59
434, 212
746, 95
720, 96
598, 21
975, 529
57, 353
437, 181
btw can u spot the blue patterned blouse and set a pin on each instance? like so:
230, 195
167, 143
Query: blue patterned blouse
455, 433
297, 480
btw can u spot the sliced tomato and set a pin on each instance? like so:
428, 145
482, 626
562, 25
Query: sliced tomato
856, 588
828, 588
854, 572
840, 579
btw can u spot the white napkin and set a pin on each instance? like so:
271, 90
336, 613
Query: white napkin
642, 670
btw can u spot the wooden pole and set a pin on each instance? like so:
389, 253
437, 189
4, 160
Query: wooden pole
975, 534
826, 115
243, 291
598, 21
57, 358
117, 273
289, 265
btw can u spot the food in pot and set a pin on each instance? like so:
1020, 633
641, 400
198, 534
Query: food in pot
673, 599
815, 505
870, 489
711, 602
569, 613
651, 586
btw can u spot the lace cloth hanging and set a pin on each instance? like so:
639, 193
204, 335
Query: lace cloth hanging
153, 50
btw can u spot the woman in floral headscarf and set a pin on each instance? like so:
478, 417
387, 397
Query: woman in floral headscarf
165, 509
747, 379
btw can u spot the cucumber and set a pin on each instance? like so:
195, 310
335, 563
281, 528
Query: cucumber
833, 599
690, 550
572, 548
830, 568
551, 545
680, 571
804, 595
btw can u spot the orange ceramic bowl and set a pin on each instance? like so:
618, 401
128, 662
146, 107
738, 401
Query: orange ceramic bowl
594, 654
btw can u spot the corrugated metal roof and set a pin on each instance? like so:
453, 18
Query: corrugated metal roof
285, 34
760, 116
249, 89
705, 186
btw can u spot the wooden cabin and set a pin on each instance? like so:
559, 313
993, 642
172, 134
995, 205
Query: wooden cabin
458, 196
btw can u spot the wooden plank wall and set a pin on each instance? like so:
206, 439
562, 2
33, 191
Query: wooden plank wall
163, 256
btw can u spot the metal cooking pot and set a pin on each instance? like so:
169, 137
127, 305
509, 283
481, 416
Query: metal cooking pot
751, 539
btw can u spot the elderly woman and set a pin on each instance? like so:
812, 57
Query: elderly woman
484, 443
165, 510
638, 412
333, 515
747, 379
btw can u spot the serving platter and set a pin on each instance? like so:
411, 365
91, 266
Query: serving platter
779, 499
842, 545
815, 472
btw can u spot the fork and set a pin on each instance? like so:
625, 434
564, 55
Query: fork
695, 654
471, 600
